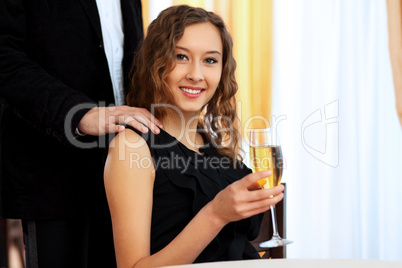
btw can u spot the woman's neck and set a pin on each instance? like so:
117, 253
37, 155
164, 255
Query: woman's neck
184, 129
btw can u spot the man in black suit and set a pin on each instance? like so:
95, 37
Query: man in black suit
55, 89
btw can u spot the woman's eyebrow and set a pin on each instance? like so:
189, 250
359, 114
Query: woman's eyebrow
211, 51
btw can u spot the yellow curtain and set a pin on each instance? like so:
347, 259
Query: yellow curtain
145, 14
195, 3
394, 9
251, 24
251, 27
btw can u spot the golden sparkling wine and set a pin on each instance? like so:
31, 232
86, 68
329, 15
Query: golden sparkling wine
267, 158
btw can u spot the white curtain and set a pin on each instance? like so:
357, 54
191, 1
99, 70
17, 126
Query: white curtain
341, 138
156, 6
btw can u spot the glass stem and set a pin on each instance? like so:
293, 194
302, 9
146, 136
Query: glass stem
275, 228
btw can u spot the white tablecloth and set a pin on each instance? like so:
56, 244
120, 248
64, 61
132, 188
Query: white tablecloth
296, 263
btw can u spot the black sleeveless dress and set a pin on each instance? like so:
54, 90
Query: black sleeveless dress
185, 181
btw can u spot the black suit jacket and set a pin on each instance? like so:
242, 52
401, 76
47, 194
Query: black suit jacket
51, 60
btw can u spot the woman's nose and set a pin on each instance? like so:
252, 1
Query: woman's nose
195, 73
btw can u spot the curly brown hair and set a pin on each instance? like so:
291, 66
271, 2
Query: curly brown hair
156, 58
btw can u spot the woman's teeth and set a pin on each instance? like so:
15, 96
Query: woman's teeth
191, 91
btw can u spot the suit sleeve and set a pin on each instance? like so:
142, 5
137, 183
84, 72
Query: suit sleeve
27, 89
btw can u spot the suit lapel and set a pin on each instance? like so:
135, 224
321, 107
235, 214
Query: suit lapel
133, 32
128, 13
91, 10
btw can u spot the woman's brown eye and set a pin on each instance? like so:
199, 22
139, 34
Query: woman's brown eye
211, 61
181, 57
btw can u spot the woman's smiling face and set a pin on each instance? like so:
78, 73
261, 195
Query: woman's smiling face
198, 67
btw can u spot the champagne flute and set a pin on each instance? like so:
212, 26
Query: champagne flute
266, 154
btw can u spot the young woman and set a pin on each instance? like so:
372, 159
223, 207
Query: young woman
184, 196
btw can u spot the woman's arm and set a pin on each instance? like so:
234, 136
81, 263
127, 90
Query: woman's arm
129, 188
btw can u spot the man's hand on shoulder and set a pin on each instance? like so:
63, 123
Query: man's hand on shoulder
102, 120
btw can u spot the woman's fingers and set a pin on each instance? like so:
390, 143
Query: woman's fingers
244, 202
259, 206
266, 193
249, 183
252, 178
